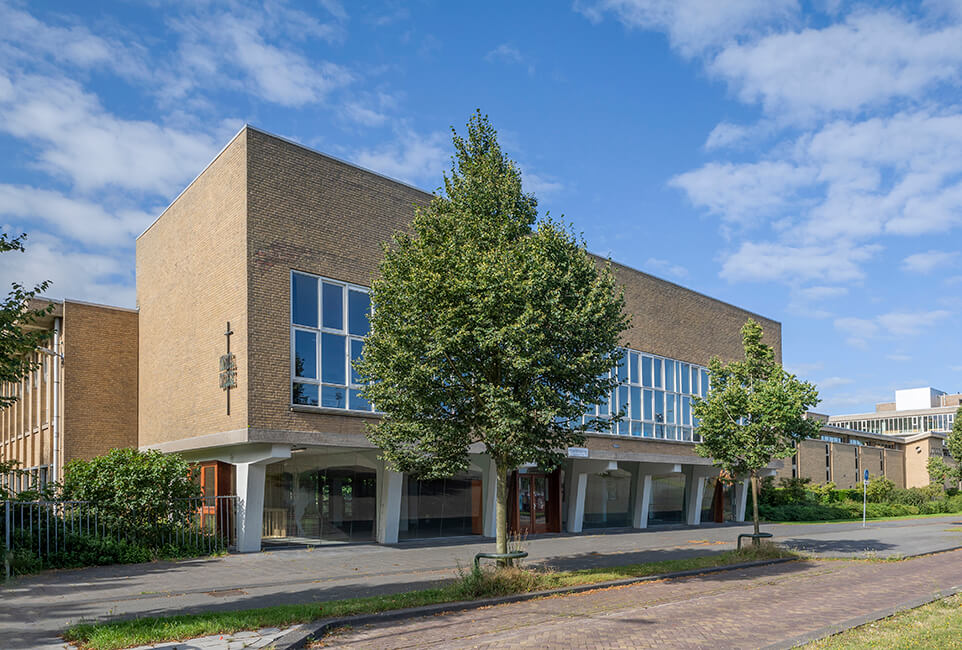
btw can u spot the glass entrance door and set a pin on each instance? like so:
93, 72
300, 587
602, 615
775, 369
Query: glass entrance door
532, 503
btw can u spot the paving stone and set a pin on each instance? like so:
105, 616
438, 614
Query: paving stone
741, 609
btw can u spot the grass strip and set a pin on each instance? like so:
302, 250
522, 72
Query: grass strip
470, 585
935, 625
859, 520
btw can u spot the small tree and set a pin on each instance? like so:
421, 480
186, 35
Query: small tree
938, 471
754, 412
16, 341
487, 327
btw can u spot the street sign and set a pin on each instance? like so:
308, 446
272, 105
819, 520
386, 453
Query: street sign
865, 480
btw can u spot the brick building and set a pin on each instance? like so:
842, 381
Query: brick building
81, 400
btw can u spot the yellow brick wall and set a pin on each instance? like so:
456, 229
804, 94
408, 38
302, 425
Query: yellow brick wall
191, 280
844, 473
99, 380
811, 460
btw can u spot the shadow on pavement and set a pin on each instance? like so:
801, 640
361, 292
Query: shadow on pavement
829, 547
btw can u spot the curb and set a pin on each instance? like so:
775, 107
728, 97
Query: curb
299, 637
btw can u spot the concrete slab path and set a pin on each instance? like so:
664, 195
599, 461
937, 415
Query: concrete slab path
35, 609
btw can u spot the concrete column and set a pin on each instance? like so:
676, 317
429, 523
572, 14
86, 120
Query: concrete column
489, 497
741, 499
388, 506
250, 468
696, 494
576, 504
639, 516
250, 505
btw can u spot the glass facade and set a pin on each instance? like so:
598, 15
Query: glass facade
329, 321
654, 394
900, 424
608, 500
445, 507
321, 497
667, 500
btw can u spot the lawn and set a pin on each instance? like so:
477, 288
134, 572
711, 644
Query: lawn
469, 586
936, 625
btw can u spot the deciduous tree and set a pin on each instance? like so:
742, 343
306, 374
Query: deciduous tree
17, 341
754, 411
488, 326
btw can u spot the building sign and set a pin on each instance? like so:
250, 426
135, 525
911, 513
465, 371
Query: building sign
228, 371
577, 452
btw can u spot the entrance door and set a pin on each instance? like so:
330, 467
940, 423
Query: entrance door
532, 503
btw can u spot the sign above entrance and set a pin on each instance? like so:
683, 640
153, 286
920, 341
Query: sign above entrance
577, 452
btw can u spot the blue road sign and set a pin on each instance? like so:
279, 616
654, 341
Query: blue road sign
866, 475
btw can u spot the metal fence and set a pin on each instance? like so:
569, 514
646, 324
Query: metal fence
54, 534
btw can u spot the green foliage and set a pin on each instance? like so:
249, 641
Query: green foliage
137, 490
938, 470
825, 502
879, 489
17, 342
754, 412
488, 326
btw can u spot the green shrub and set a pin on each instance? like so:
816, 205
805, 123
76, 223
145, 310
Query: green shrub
133, 490
879, 489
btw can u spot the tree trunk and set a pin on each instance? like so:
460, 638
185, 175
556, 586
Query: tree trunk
501, 509
755, 501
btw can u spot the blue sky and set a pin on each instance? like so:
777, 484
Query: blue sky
799, 159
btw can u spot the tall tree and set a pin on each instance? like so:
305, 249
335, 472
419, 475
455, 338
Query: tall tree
754, 411
17, 340
954, 444
488, 326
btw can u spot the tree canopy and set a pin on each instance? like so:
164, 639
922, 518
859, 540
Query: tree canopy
488, 326
17, 342
754, 411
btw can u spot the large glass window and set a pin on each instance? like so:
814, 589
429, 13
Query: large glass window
441, 507
607, 500
328, 322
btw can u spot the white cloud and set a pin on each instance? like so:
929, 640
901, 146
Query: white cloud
822, 293
107, 279
357, 112
411, 157
694, 25
772, 261
77, 219
506, 53
870, 58
892, 325
726, 134
24, 38
835, 382
741, 193
76, 138
540, 185
859, 330
901, 358
664, 267
911, 323
929, 261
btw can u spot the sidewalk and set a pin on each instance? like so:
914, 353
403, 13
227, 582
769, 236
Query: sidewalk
774, 606
36, 608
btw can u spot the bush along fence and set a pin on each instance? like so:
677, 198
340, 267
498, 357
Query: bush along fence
59, 534
799, 500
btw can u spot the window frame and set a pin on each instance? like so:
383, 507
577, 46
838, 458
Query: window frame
319, 331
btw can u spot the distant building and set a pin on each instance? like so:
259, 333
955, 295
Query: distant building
896, 441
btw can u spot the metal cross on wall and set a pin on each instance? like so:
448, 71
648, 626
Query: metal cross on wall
228, 368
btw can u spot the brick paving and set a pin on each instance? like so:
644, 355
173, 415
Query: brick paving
751, 608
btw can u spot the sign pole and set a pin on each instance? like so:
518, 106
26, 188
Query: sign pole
864, 493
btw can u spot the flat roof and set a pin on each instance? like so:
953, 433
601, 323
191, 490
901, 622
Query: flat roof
248, 126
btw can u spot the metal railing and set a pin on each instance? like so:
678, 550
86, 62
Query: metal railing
54, 534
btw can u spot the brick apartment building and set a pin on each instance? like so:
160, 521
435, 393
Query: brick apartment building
270, 251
